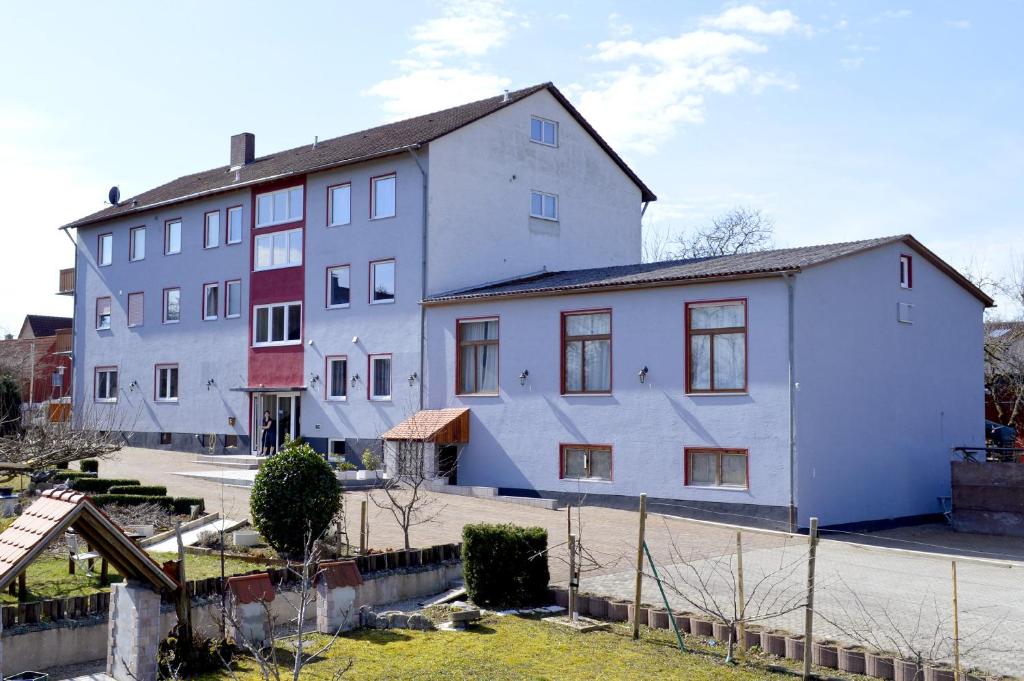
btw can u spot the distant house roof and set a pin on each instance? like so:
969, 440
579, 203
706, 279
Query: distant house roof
41, 326
442, 426
384, 140
743, 265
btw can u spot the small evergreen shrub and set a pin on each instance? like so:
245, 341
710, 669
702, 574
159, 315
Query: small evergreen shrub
10, 406
100, 485
183, 505
294, 497
144, 490
505, 565
89, 466
347, 466
61, 476
62, 466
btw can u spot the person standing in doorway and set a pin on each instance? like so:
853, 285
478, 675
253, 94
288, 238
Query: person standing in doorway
269, 427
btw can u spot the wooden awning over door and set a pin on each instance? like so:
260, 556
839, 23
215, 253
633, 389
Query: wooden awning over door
440, 426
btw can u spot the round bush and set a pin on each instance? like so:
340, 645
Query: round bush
294, 497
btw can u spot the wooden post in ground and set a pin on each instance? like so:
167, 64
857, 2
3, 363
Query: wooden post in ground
639, 568
956, 630
742, 604
362, 527
22, 588
183, 604
573, 583
812, 550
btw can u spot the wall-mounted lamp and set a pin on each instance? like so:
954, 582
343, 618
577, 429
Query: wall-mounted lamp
133, 385
210, 383
642, 375
523, 376
355, 379
412, 378
231, 420
313, 379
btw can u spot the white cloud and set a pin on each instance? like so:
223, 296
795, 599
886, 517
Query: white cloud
851, 63
427, 89
688, 47
468, 28
961, 24
753, 19
618, 27
894, 14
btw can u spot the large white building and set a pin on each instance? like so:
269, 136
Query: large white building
485, 257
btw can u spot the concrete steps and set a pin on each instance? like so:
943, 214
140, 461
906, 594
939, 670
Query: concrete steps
242, 461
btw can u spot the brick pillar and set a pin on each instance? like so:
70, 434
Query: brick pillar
134, 632
248, 621
336, 585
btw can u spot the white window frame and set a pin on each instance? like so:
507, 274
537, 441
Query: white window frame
372, 375
287, 202
166, 296
105, 249
110, 313
206, 299
373, 196
332, 219
906, 271
228, 285
288, 234
133, 250
330, 380
167, 236
588, 459
207, 232
544, 122
104, 371
160, 368
373, 281
270, 324
233, 210
543, 195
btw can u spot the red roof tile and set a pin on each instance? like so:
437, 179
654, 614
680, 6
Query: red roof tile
339, 574
252, 588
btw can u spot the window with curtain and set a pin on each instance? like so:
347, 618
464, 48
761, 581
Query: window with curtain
716, 338
587, 352
586, 462
380, 377
106, 384
172, 305
337, 378
717, 468
211, 300
102, 313
478, 357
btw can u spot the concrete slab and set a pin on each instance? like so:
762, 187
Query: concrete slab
191, 537
232, 478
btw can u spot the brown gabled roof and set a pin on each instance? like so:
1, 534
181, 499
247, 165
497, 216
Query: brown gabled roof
443, 426
741, 265
384, 140
43, 325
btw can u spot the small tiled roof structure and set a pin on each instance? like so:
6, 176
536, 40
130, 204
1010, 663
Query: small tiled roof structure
739, 266
443, 426
42, 326
383, 140
340, 573
255, 588
53, 513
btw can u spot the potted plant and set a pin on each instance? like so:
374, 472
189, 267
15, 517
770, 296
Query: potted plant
370, 464
851, 659
348, 471
825, 654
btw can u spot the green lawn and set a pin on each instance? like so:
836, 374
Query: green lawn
48, 576
507, 648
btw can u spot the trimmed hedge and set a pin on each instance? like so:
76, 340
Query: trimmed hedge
137, 490
183, 505
62, 475
177, 505
101, 485
505, 565
89, 466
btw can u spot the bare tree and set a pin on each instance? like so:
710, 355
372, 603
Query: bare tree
656, 246
1004, 369
740, 230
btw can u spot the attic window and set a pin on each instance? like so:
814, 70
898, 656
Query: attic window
906, 271
543, 131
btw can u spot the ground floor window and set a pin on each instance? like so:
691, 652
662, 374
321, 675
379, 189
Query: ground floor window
165, 438
586, 462
230, 441
380, 377
167, 383
106, 384
717, 468
336, 450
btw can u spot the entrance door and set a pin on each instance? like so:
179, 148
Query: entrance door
284, 411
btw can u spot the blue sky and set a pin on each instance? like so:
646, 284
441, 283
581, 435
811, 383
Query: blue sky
841, 120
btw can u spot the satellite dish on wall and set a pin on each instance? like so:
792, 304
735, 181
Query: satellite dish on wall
114, 196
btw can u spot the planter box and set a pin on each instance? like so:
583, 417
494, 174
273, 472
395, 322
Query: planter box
773, 643
561, 597
658, 619
879, 665
794, 648
722, 632
348, 475
906, 670
701, 627
618, 611
938, 673
825, 654
366, 475
597, 606
245, 538
682, 622
852, 660
642, 614
752, 639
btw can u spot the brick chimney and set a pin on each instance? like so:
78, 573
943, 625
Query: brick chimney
243, 149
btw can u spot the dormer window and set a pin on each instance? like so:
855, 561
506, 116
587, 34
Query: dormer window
906, 271
543, 131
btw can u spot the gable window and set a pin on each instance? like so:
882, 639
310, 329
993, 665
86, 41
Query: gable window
277, 324
338, 290
280, 249
233, 234
279, 207
102, 313
137, 243
544, 131
136, 306
339, 205
337, 378
382, 282
716, 340
586, 462
543, 206
172, 305
211, 231
478, 357
906, 271
211, 300
716, 468
233, 299
172, 237
167, 383
106, 384
382, 197
587, 352
105, 250
380, 377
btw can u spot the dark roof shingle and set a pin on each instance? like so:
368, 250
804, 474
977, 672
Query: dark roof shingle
367, 144
43, 325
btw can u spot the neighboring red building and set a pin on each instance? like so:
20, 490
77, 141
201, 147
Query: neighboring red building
40, 357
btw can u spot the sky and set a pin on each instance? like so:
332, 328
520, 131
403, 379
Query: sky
841, 120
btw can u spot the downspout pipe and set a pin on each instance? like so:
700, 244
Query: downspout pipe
423, 271
790, 280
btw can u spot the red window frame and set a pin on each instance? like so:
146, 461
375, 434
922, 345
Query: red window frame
163, 305
370, 279
369, 377
688, 451
458, 355
329, 209
100, 251
611, 351
602, 447
226, 303
110, 313
690, 390
204, 316
327, 378
909, 259
327, 287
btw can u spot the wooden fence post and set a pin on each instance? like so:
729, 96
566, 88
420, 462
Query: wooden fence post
956, 630
362, 527
573, 584
812, 544
741, 626
639, 568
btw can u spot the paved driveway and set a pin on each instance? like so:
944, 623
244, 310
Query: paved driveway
861, 585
